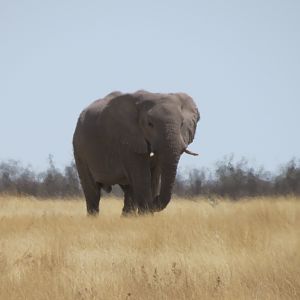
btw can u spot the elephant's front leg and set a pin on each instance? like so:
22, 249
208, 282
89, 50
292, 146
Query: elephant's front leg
155, 181
129, 205
140, 181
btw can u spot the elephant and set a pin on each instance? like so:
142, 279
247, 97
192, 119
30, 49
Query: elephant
134, 140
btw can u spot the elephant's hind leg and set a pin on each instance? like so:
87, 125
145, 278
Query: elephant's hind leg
91, 189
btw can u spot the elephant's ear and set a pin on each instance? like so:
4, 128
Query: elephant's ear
190, 118
121, 114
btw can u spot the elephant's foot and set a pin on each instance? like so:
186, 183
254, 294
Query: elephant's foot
129, 211
128, 214
157, 205
145, 211
93, 212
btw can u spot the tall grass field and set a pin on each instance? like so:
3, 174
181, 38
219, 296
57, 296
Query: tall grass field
50, 249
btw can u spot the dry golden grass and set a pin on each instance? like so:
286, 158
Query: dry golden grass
192, 250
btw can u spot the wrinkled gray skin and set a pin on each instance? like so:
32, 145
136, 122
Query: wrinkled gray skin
114, 142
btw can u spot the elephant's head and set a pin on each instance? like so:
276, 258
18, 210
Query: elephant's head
161, 125
168, 123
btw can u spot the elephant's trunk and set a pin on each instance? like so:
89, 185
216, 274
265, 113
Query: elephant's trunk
173, 148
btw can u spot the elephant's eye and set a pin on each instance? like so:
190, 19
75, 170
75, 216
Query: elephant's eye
150, 124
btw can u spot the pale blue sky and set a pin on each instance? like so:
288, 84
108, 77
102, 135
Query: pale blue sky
239, 60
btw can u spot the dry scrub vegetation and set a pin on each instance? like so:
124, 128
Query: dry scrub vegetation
192, 250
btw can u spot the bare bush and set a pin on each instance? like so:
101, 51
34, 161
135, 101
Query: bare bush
235, 180
19, 180
230, 178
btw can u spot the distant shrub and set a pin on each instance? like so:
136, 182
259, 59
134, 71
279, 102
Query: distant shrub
237, 179
230, 178
288, 181
18, 180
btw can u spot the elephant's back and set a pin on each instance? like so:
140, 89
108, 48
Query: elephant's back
87, 131
91, 112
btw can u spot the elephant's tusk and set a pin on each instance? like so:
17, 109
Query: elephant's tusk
190, 152
151, 154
